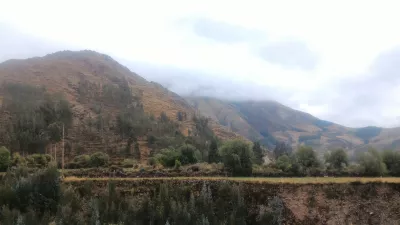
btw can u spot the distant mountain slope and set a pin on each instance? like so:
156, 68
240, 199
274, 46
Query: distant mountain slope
270, 121
83, 76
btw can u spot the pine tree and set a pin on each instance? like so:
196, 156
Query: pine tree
136, 151
258, 155
213, 156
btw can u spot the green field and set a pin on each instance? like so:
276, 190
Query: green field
299, 180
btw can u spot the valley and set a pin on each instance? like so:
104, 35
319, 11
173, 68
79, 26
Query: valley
84, 140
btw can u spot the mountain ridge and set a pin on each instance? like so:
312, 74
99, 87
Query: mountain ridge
270, 121
83, 77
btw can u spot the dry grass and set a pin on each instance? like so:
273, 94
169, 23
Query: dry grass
273, 180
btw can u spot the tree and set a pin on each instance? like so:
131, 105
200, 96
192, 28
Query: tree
163, 117
392, 161
372, 163
98, 159
284, 163
188, 154
136, 151
236, 155
213, 156
307, 157
5, 159
282, 148
179, 116
258, 154
337, 159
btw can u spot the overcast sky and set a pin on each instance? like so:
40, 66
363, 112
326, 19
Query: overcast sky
338, 61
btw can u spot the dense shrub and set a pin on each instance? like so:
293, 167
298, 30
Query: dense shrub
188, 154
18, 160
98, 159
372, 163
168, 156
5, 159
237, 155
38, 160
80, 161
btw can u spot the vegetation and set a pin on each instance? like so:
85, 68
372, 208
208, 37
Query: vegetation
5, 158
337, 159
41, 198
258, 153
367, 133
236, 156
37, 117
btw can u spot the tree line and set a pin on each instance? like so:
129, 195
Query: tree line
41, 198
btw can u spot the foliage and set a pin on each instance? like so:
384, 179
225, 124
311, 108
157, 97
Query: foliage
188, 154
282, 148
372, 163
18, 160
284, 163
236, 155
337, 159
36, 116
367, 133
177, 165
136, 151
306, 157
98, 159
168, 156
80, 161
38, 160
213, 155
5, 159
392, 161
258, 153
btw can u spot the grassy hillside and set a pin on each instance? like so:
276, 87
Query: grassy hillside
107, 102
269, 121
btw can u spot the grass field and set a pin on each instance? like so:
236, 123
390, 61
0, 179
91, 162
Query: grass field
300, 180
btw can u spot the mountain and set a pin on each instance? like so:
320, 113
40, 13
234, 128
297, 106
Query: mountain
112, 108
270, 121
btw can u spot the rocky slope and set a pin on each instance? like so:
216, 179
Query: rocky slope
80, 77
269, 121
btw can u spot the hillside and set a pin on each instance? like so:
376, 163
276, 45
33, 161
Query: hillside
99, 91
269, 121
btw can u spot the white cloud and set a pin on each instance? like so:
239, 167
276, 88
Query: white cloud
219, 41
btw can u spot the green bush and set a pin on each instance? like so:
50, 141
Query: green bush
372, 163
168, 156
18, 160
5, 159
236, 155
177, 165
337, 159
38, 160
188, 154
80, 161
98, 159
284, 163
128, 163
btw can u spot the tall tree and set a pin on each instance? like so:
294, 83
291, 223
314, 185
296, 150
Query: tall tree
307, 157
258, 154
237, 155
213, 156
281, 148
337, 159
136, 151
